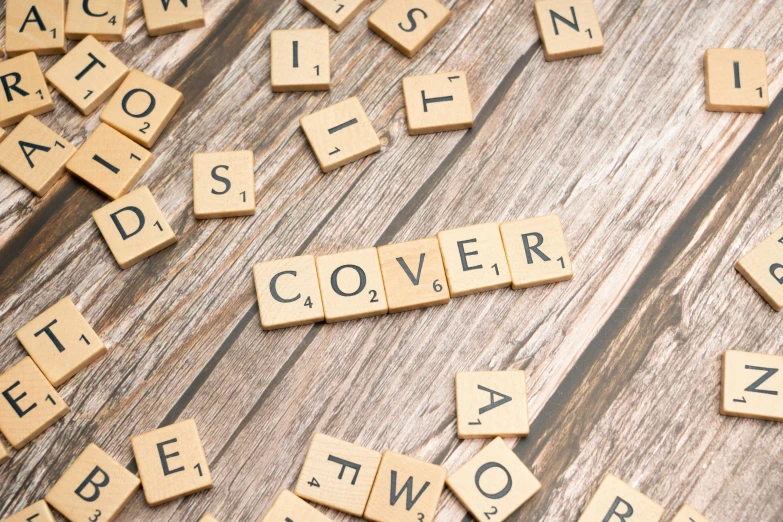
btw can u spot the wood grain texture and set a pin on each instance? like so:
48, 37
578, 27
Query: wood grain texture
657, 196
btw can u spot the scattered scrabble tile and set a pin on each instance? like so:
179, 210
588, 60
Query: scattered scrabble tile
763, 269
87, 75
171, 462
413, 275
34, 155
491, 404
336, 13
134, 227
405, 490
171, 16
736, 80
29, 403
35, 25
290, 507
61, 342
437, 102
24, 90
474, 258
568, 28
224, 184
688, 514
615, 498
142, 107
95, 486
409, 24
752, 385
103, 20
494, 483
338, 474
351, 285
537, 252
110, 162
4, 455
300, 60
340, 134
208, 518
38, 512
288, 292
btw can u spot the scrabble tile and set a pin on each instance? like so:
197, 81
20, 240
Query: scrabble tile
336, 13
405, 490
24, 90
736, 80
688, 514
437, 103
4, 455
134, 227
94, 486
171, 16
171, 462
474, 258
338, 474
351, 285
568, 28
29, 403
34, 155
536, 251
110, 162
288, 292
493, 482
61, 342
413, 275
290, 507
300, 60
752, 385
762, 267
87, 75
38, 512
208, 518
142, 107
224, 184
101, 19
35, 25
340, 134
409, 24
491, 404
615, 498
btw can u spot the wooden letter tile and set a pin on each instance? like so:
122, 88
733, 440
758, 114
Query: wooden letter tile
491, 404
736, 80
102, 19
94, 485
208, 518
24, 90
171, 462
413, 275
38, 512
536, 251
110, 162
300, 60
568, 28
290, 507
171, 16
615, 498
134, 227
337, 474
35, 25
752, 385
4, 455
474, 258
688, 514
763, 269
351, 285
494, 481
87, 75
61, 342
409, 24
288, 292
224, 184
340, 134
336, 13
28, 403
34, 155
142, 107
405, 490
437, 103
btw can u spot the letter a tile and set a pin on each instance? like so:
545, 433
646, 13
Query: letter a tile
104, 20
568, 28
762, 267
437, 103
288, 292
35, 25
615, 498
38, 512
290, 507
752, 385
171, 16
351, 285
336, 13
24, 90
474, 258
300, 60
491, 404
536, 251
413, 275
736, 80
689, 514
409, 24
224, 184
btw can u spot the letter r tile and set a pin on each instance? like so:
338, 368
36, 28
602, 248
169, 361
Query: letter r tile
23, 90
614, 498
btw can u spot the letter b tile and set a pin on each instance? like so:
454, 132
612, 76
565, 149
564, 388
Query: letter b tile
614, 498
288, 292
351, 285
474, 258
762, 267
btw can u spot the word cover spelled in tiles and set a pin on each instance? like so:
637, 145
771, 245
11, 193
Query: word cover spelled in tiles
736, 80
752, 385
568, 28
491, 404
35, 25
437, 103
171, 16
336, 13
24, 90
413, 275
300, 60
351, 285
288, 292
409, 24
104, 20
616, 499
290, 507
224, 184
38, 512
763, 269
